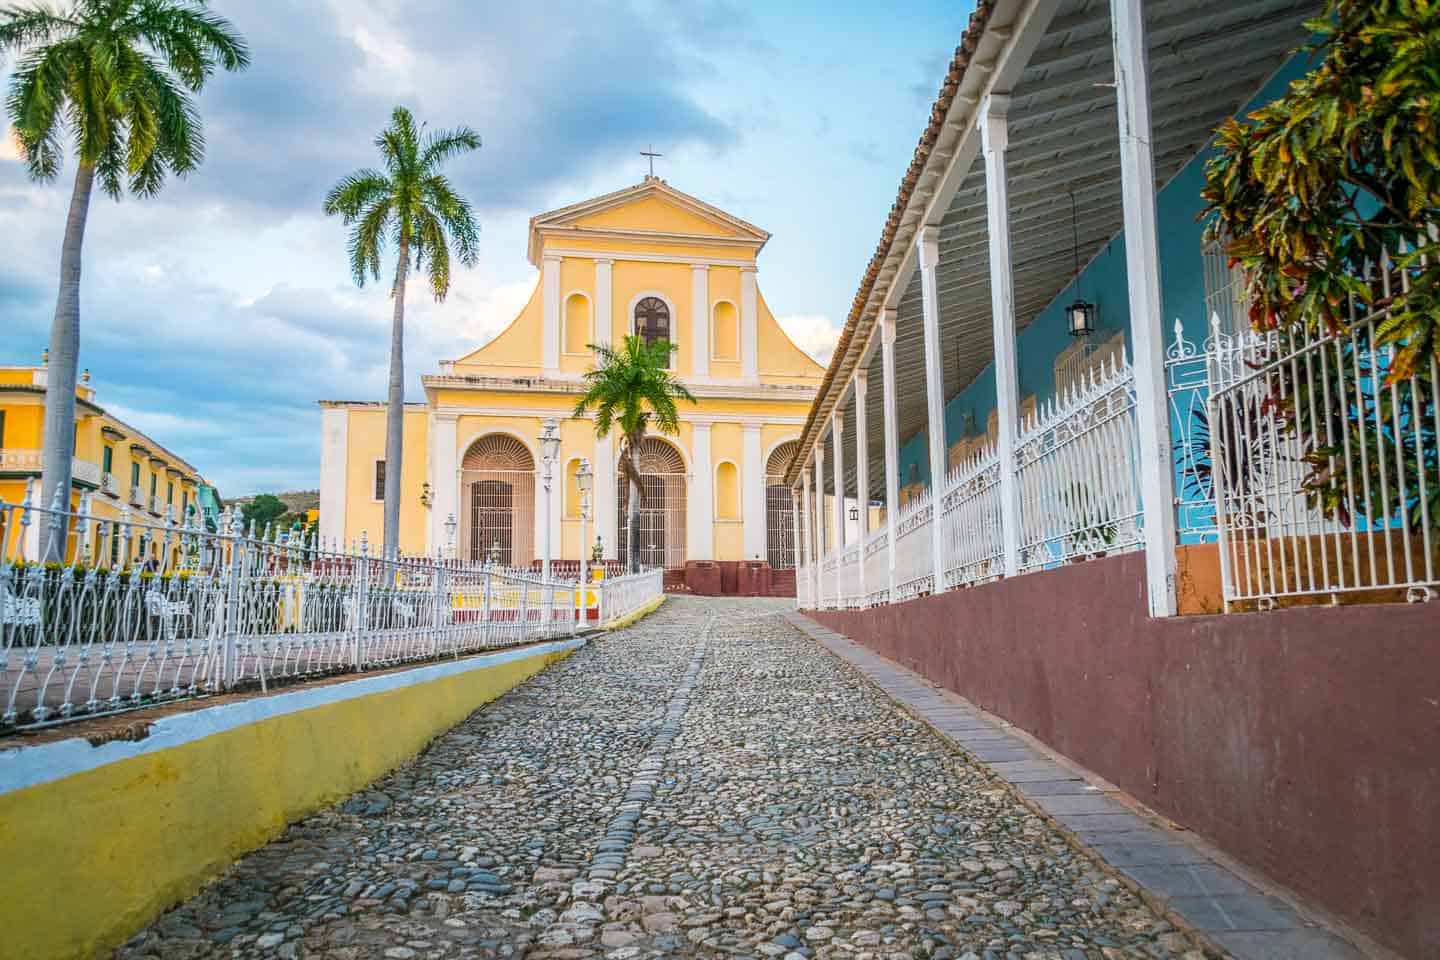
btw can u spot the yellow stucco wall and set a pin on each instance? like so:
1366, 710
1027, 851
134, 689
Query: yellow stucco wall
364, 513
91, 858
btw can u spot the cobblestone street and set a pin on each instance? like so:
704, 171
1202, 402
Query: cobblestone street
708, 782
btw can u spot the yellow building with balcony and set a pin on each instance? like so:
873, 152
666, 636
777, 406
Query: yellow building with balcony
647, 259
118, 471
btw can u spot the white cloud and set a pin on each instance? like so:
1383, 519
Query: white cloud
813, 333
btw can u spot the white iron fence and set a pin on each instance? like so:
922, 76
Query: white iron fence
913, 573
1327, 468
1076, 464
970, 512
147, 612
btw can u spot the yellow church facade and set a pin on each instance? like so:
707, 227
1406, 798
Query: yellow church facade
647, 260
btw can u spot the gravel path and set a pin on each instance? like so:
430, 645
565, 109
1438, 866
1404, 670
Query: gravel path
706, 783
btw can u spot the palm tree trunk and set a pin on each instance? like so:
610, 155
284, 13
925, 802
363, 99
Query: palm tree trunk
395, 406
633, 561
59, 435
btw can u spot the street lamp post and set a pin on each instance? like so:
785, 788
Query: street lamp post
583, 481
450, 526
549, 452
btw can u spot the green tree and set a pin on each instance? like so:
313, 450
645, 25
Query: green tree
632, 388
264, 509
413, 205
115, 77
1310, 194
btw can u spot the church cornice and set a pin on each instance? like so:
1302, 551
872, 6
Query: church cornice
786, 392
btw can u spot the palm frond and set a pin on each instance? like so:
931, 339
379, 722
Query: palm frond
356, 193
441, 145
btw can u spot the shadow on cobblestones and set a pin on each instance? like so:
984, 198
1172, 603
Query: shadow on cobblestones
790, 811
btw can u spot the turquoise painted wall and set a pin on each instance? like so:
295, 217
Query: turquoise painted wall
1103, 283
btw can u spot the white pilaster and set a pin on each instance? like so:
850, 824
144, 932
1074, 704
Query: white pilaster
994, 137
605, 496
752, 498
862, 475
444, 482
749, 325
334, 463
604, 303
550, 334
1142, 270
892, 438
928, 248
700, 329
701, 522
837, 505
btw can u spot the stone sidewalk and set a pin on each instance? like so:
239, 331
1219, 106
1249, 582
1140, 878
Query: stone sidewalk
708, 782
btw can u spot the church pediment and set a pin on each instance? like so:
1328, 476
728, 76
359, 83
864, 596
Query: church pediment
650, 211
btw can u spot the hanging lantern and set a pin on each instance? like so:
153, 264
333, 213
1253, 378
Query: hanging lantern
1080, 318
1080, 315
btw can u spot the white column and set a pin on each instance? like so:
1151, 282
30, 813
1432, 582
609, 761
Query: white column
701, 521
795, 525
605, 493
749, 325
994, 135
928, 247
444, 482
334, 464
892, 437
604, 303
700, 329
820, 552
804, 545
752, 497
862, 474
1142, 270
550, 334
837, 506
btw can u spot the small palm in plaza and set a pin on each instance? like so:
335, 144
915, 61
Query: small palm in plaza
115, 77
412, 204
632, 388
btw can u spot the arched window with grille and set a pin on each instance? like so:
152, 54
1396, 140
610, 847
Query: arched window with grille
662, 506
652, 320
497, 500
780, 508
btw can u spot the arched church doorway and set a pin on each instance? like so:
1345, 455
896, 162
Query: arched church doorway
662, 506
780, 508
497, 500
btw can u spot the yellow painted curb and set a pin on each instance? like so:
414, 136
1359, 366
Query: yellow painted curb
91, 858
634, 615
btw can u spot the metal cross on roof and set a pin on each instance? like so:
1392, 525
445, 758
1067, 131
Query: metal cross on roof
651, 155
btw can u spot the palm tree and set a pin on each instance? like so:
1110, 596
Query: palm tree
414, 205
632, 388
116, 76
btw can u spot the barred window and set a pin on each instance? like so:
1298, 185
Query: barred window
379, 479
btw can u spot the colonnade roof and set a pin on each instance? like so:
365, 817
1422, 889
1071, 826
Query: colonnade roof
1054, 59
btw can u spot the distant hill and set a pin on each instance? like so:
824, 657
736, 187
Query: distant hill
296, 501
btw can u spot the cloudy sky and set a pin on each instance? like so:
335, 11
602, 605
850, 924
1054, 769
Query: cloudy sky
215, 316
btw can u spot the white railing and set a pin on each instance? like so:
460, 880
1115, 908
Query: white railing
148, 612
913, 573
877, 567
970, 513
1076, 464
623, 595
852, 558
1327, 468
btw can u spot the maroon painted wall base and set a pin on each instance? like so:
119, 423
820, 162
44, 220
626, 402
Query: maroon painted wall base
1303, 742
